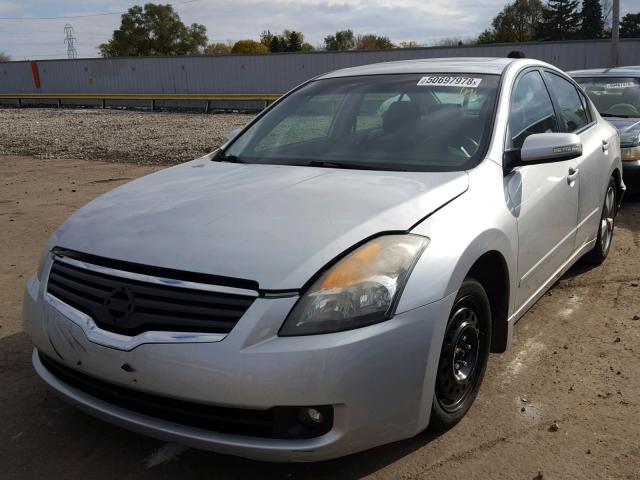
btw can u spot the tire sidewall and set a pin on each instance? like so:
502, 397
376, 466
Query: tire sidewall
442, 419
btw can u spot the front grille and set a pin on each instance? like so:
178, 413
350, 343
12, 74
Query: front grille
131, 307
276, 422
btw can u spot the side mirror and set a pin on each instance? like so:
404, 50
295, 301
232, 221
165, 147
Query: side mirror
231, 135
550, 147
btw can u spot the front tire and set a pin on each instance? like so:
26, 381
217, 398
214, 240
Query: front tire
605, 227
463, 358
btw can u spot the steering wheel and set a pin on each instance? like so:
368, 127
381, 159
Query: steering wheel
624, 109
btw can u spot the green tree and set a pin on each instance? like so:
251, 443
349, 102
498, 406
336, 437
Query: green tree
154, 30
373, 42
560, 21
307, 47
287, 41
217, 49
249, 46
294, 40
630, 25
274, 42
515, 23
591, 20
487, 36
342, 40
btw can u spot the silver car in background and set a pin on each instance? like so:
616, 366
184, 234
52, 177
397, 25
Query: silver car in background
334, 277
615, 92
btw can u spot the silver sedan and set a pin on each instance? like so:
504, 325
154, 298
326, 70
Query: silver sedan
333, 277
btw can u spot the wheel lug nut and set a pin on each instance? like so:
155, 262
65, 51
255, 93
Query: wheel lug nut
469, 347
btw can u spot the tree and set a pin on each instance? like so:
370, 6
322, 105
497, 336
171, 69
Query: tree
487, 36
515, 23
449, 42
294, 41
5, 57
373, 42
409, 44
560, 20
307, 47
154, 30
249, 46
342, 40
274, 42
287, 41
630, 25
217, 49
591, 20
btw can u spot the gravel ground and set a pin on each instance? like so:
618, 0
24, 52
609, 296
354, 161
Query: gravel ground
144, 138
562, 403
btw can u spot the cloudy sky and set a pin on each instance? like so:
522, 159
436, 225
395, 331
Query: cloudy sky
425, 21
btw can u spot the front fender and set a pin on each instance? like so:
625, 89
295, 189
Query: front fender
473, 224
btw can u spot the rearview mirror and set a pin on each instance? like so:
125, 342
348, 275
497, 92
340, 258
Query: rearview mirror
550, 147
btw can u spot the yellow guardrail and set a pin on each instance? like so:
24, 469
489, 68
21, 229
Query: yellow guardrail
151, 97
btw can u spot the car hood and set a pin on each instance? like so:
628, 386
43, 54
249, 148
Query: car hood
629, 129
274, 224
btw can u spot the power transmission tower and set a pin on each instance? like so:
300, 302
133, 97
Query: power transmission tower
70, 39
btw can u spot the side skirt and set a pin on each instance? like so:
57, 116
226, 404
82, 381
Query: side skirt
545, 287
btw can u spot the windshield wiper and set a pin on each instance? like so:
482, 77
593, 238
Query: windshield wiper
222, 156
347, 165
607, 115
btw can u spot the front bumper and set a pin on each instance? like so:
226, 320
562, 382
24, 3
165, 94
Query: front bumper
378, 379
631, 176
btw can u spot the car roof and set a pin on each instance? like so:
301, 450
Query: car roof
479, 65
630, 71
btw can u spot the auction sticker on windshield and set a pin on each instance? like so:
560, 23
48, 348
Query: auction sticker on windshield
448, 81
620, 85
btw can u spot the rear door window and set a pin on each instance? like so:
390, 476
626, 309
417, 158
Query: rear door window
572, 111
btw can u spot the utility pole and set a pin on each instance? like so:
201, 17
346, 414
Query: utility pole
70, 40
615, 33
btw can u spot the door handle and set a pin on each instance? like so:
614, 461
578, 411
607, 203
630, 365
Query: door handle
605, 145
573, 174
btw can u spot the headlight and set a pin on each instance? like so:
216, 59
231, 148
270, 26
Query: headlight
42, 262
630, 153
360, 289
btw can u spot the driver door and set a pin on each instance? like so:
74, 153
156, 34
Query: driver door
544, 197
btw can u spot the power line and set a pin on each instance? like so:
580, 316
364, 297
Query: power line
101, 14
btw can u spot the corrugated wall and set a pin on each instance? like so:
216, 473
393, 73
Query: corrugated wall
275, 73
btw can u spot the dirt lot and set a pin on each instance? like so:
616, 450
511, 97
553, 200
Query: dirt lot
575, 361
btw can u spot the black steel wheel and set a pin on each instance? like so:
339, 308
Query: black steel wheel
463, 358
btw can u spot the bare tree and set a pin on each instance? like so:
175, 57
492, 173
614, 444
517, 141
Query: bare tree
5, 57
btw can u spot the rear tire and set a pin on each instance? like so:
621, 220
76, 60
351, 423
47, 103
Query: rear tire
463, 358
605, 227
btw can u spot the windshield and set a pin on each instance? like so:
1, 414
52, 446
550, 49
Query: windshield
417, 122
613, 96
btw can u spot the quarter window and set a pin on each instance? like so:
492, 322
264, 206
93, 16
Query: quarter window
531, 110
572, 112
